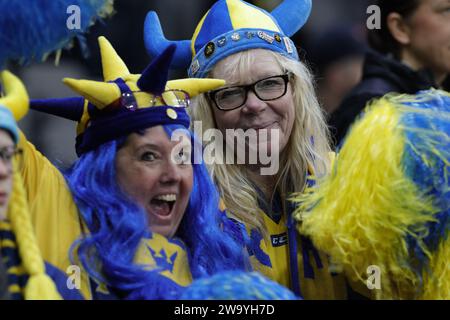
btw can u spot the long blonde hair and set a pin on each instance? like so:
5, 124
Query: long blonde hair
308, 145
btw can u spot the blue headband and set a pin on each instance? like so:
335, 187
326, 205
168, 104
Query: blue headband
236, 41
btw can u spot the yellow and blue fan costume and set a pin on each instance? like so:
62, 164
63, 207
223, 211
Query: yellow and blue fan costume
386, 203
31, 30
232, 26
292, 260
29, 275
57, 219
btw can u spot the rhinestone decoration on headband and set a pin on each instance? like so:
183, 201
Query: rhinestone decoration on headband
125, 103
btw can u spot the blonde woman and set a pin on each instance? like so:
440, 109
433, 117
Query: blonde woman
268, 91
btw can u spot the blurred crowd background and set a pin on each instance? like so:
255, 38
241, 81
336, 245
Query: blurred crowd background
332, 43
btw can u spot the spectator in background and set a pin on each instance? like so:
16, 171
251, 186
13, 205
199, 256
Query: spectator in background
23, 272
337, 58
411, 53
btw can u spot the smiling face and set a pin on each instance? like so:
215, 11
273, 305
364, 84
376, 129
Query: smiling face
428, 41
255, 113
149, 174
6, 144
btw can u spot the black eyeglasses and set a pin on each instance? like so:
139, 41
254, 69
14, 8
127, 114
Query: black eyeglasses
7, 155
266, 89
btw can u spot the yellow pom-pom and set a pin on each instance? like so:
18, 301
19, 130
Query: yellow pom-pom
365, 213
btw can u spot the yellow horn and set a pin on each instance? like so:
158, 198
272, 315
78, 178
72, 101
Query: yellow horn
16, 97
113, 66
195, 86
100, 94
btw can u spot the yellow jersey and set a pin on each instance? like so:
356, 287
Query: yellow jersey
307, 274
287, 257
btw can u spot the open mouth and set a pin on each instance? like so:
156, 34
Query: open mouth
162, 205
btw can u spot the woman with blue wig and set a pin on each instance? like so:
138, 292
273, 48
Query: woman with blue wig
269, 91
134, 217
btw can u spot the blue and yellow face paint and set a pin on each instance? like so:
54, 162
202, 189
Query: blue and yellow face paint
125, 103
387, 201
231, 26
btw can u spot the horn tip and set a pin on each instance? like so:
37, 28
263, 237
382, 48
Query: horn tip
68, 80
102, 39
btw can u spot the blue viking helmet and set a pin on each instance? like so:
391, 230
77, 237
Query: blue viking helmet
231, 26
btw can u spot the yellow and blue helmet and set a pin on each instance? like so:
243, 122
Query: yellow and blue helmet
124, 103
231, 26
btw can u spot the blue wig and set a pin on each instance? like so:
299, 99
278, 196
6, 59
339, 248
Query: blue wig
117, 225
